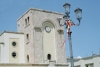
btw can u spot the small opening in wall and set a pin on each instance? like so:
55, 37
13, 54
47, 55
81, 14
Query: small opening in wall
27, 36
14, 43
14, 54
87, 66
27, 58
18, 25
49, 56
28, 20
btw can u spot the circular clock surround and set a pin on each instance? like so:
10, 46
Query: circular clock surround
48, 29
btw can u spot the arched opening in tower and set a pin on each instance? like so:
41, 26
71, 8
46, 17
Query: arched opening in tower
49, 56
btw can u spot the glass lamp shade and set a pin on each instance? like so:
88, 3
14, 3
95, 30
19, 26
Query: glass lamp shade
66, 17
78, 12
67, 8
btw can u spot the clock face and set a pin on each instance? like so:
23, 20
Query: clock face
48, 29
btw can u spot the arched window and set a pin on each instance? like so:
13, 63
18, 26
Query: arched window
27, 58
49, 57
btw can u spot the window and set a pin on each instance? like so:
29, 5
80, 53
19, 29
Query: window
27, 36
89, 65
49, 57
27, 21
18, 25
27, 58
14, 44
14, 54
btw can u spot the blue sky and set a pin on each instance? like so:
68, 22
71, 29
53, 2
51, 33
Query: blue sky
85, 38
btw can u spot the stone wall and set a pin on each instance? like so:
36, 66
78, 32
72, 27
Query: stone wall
34, 48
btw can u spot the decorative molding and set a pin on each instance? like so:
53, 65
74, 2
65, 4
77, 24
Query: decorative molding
28, 64
27, 25
37, 27
22, 64
60, 31
2, 43
11, 32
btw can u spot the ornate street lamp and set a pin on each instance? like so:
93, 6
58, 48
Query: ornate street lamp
78, 12
67, 8
68, 24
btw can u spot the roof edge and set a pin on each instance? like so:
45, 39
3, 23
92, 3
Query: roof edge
85, 57
11, 32
48, 11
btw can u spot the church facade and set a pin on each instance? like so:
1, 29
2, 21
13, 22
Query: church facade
41, 38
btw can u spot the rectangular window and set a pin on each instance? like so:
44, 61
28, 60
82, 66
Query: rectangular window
89, 65
27, 38
27, 21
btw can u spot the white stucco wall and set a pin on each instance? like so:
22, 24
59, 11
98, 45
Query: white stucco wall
92, 60
5, 48
1, 48
2, 38
2, 53
22, 49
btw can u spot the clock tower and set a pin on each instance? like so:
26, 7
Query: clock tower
43, 36
49, 47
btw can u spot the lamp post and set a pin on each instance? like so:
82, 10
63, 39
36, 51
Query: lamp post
70, 23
